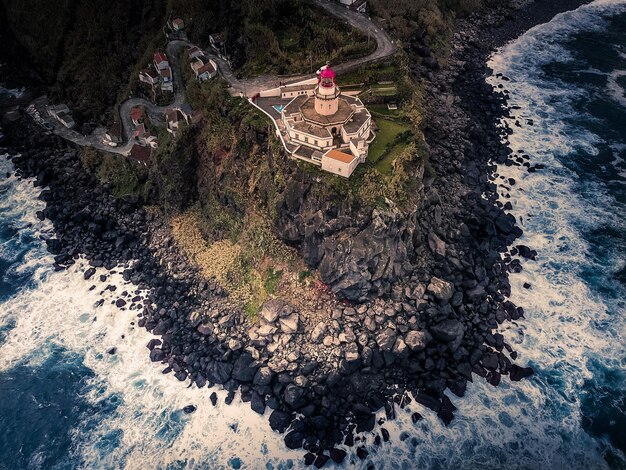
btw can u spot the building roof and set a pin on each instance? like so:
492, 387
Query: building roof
115, 130
193, 49
294, 105
289, 88
344, 112
178, 22
356, 122
206, 68
186, 108
160, 57
173, 115
312, 129
328, 73
139, 131
150, 73
140, 153
340, 156
136, 113
166, 73
217, 37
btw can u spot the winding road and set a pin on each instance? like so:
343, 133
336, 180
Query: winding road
238, 87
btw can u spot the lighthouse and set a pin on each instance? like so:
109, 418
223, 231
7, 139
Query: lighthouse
327, 93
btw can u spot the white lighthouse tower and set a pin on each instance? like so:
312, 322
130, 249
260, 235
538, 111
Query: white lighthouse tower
327, 93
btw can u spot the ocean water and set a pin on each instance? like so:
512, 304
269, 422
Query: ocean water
67, 400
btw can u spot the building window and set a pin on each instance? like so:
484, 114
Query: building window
316, 143
306, 139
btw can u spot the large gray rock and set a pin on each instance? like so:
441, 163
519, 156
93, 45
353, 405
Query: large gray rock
351, 352
270, 311
417, 340
386, 339
449, 331
441, 289
358, 252
318, 332
290, 324
436, 244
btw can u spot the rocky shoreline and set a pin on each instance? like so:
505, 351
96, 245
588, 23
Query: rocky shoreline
325, 381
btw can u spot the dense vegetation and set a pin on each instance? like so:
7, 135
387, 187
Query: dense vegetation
278, 36
84, 49
429, 19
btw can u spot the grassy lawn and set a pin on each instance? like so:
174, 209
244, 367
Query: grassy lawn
388, 131
383, 110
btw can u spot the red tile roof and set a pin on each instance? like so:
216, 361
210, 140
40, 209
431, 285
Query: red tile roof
136, 114
160, 57
340, 156
140, 153
205, 68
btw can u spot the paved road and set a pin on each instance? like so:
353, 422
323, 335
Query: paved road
244, 87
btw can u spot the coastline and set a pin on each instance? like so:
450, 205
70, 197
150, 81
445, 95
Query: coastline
476, 100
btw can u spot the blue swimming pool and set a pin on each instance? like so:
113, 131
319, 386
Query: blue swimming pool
279, 107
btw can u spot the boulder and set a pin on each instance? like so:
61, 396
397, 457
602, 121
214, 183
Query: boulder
436, 244
280, 420
351, 352
292, 395
263, 376
417, 340
318, 332
270, 311
245, 368
290, 324
441, 289
386, 339
449, 331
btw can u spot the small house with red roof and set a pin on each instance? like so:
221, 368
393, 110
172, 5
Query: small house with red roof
160, 60
136, 115
140, 153
149, 77
178, 24
203, 68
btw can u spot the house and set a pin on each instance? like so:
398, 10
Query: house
149, 76
217, 43
160, 61
339, 163
62, 114
113, 135
187, 112
167, 83
140, 153
203, 68
144, 137
324, 127
359, 6
136, 115
178, 24
194, 52
174, 119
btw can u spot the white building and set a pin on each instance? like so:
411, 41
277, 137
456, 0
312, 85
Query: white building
203, 68
62, 114
325, 127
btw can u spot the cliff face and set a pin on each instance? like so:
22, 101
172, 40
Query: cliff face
359, 251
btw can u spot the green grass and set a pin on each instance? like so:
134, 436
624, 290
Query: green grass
383, 110
388, 131
272, 278
384, 164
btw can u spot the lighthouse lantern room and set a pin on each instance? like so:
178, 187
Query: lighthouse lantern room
327, 93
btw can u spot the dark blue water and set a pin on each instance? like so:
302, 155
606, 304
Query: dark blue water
66, 402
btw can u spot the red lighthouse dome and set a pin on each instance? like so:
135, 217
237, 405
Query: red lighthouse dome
327, 78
